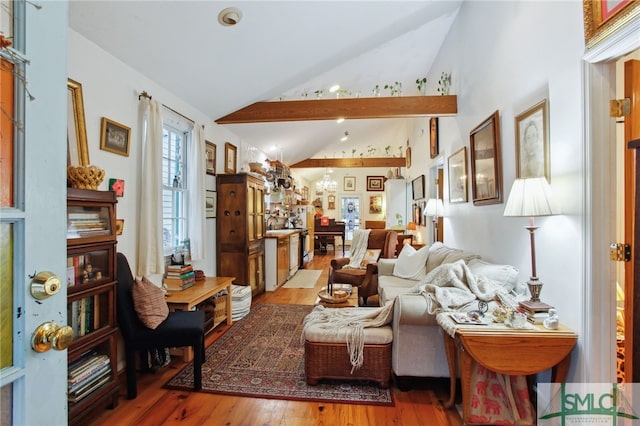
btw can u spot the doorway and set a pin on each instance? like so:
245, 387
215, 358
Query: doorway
350, 215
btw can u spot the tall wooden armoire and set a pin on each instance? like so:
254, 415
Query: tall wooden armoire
240, 229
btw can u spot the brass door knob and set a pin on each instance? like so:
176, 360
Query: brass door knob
50, 335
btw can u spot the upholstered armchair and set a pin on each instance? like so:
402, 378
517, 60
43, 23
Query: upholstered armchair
365, 277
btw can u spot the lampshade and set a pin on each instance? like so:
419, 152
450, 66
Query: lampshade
411, 226
435, 207
530, 197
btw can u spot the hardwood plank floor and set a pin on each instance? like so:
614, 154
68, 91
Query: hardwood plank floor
422, 405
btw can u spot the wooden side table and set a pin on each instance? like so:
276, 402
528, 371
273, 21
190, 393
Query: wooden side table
186, 300
351, 302
506, 351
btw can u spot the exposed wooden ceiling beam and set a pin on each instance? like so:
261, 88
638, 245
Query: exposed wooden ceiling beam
349, 108
350, 162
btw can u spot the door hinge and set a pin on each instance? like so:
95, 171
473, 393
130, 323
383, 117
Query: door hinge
620, 252
619, 107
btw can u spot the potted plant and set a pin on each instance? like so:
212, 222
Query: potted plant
422, 85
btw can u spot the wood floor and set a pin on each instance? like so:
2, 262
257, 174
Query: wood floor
422, 405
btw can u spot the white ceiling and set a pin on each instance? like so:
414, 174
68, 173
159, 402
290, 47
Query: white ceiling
278, 49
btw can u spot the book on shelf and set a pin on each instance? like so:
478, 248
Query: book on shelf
179, 268
78, 369
529, 306
179, 286
75, 397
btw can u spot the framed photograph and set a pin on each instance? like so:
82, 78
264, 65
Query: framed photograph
230, 158
602, 18
407, 155
210, 204
210, 153
349, 183
114, 137
417, 187
119, 226
417, 214
486, 163
457, 164
433, 137
532, 142
117, 186
375, 183
331, 202
375, 204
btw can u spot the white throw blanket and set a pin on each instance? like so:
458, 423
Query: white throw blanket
351, 320
358, 248
451, 286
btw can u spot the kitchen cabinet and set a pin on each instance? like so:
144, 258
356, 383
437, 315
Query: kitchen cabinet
240, 230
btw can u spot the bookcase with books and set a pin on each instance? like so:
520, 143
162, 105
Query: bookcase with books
91, 307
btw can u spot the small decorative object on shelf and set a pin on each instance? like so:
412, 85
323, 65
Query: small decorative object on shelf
422, 85
552, 321
444, 84
376, 91
85, 177
394, 89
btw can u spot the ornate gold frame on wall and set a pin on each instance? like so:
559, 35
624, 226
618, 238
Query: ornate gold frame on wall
78, 153
598, 27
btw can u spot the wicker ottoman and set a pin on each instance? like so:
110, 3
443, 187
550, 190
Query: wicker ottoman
326, 357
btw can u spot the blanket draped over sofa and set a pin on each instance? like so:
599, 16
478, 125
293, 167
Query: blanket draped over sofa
353, 321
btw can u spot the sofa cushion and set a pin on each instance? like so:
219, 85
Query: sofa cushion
411, 264
440, 254
504, 275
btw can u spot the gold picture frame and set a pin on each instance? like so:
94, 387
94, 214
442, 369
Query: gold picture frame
210, 154
603, 18
230, 158
486, 162
115, 137
433, 137
532, 142
77, 148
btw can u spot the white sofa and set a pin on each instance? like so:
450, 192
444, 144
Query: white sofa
418, 348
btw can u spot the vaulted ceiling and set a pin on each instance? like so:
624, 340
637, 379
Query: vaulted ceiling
278, 50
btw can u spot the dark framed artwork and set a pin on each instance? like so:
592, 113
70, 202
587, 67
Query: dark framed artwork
433, 137
114, 137
486, 162
210, 152
230, 158
375, 183
417, 187
532, 142
457, 167
603, 18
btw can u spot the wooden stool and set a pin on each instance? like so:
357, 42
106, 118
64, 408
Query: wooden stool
327, 357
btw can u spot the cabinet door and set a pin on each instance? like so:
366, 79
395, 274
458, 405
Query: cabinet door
251, 211
283, 260
259, 212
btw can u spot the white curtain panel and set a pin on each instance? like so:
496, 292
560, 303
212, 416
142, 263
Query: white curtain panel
196, 170
150, 244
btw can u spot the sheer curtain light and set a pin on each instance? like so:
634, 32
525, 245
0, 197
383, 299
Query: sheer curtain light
435, 209
530, 198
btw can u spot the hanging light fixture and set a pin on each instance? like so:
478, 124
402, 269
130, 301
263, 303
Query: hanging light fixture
326, 184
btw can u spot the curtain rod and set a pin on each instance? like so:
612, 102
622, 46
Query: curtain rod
144, 94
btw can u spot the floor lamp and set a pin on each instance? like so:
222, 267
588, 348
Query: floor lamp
532, 197
435, 209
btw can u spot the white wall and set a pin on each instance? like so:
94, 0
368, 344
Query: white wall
502, 58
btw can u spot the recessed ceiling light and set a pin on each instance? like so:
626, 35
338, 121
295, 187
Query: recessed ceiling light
340, 120
229, 16
334, 88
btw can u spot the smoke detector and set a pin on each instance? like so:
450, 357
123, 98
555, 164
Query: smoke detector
229, 16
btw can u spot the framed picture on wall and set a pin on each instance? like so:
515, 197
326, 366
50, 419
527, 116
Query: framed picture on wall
349, 183
486, 163
230, 158
603, 18
532, 142
417, 187
210, 153
210, 204
375, 204
331, 202
457, 165
433, 137
114, 137
375, 183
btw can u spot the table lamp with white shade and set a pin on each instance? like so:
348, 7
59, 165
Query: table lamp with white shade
435, 209
532, 197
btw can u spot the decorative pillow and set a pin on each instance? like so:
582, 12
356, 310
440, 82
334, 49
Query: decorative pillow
505, 275
370, 256
411, 264
440, 254
149, 303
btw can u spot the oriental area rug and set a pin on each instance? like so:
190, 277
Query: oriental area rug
262, 356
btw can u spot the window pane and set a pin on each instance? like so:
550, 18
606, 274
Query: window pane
6, 132
6, 289
6, 405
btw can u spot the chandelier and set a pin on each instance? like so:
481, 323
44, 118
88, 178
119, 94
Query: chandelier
326, 184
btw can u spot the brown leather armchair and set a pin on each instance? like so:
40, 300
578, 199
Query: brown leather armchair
365, 279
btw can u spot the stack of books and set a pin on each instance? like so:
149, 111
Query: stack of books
536, 312
179, 277
88, 374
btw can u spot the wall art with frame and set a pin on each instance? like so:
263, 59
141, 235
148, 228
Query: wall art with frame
417, 188
603, 18
433, 137
230, 158
114, 137
349, 183
457, 167
375, 204
210, 204
210, 153
375, 183
486, 162
532, 142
